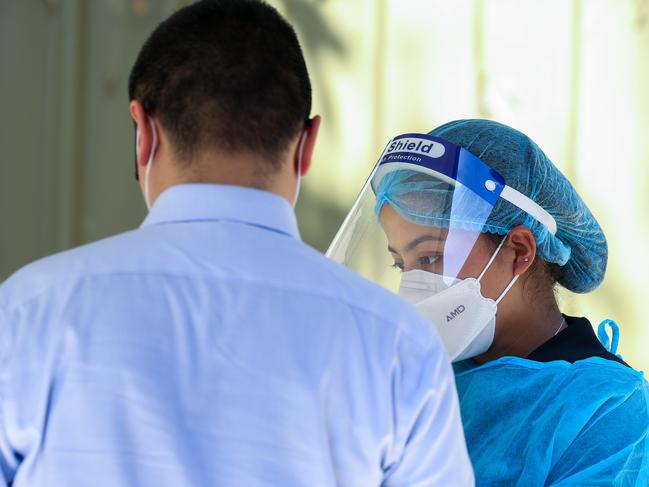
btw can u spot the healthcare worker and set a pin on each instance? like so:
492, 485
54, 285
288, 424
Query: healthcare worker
481, 227
211, 347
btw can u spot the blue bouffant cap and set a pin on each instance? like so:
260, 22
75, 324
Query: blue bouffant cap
579, 245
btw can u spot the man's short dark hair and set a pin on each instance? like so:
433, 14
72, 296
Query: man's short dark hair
227, 75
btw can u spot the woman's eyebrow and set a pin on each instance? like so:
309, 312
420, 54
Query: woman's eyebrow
413, 243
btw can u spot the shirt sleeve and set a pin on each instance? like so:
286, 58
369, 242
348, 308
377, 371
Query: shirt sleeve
613, 447
429, 447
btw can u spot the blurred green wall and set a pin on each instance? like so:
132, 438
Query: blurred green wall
572, 74
66, 169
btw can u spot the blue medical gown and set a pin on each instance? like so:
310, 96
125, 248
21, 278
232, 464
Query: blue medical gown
558, 423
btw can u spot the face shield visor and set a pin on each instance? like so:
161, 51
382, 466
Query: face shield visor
424, 207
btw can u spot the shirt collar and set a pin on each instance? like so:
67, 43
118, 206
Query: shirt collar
576, 342
205, 202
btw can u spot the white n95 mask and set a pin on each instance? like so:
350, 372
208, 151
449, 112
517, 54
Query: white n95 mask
417, 285
465, 320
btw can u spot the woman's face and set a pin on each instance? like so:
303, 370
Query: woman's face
421, 247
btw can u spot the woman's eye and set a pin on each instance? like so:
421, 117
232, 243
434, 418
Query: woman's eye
397, 265
429, 260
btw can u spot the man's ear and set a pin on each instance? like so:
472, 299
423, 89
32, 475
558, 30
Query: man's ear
144, 131
306, 146
522, 242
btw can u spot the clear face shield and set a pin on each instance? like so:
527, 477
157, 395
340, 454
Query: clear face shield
424, 207
415, 229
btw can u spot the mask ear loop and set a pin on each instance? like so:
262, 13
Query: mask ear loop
491, 261
299, 166
493, 257
511, 284
147, 171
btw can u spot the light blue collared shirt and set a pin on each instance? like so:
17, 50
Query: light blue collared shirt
212, 347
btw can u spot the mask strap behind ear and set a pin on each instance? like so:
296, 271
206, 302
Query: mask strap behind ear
154, 146
504, 293
305, 134
299, 164
493, 257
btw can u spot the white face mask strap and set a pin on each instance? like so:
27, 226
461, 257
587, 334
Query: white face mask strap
147, 171
511, 284
299, 165
493, 257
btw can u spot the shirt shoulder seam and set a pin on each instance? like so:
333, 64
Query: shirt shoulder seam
342, 299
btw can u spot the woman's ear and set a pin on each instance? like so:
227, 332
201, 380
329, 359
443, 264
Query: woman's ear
522, 242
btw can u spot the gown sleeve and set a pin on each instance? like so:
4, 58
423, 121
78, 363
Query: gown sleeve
612, 449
